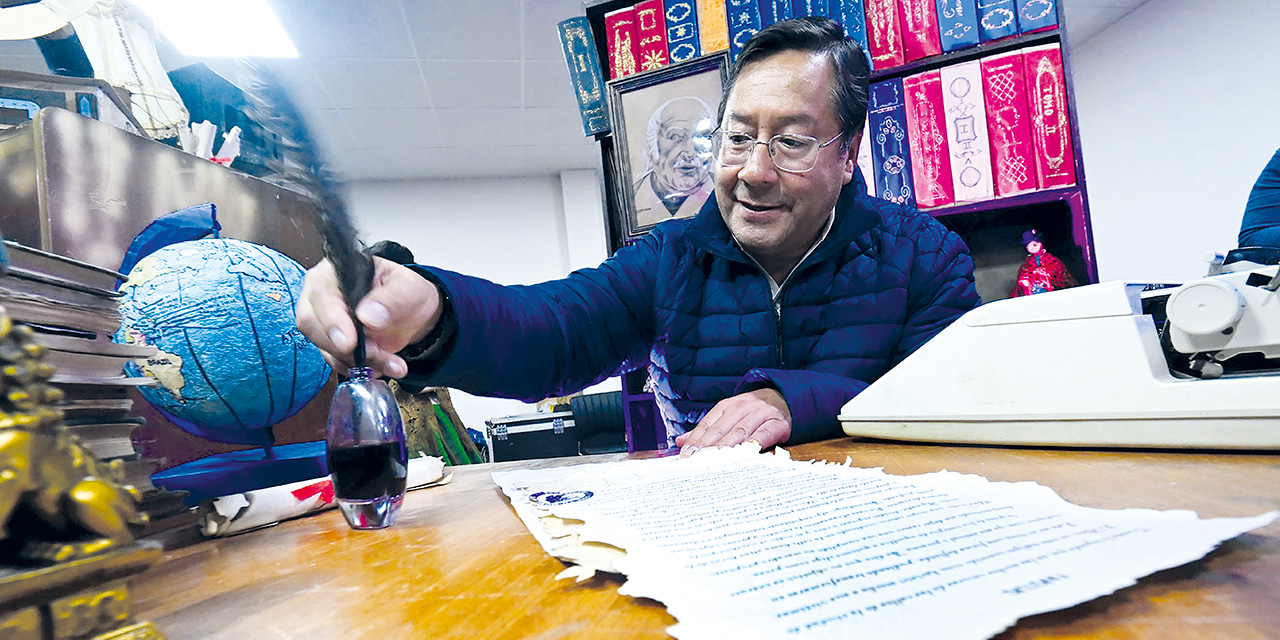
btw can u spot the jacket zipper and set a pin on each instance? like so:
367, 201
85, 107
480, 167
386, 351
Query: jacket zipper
777, 323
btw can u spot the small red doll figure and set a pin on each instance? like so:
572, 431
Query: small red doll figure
1040, 272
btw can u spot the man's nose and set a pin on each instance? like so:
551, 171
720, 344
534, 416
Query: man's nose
759, 167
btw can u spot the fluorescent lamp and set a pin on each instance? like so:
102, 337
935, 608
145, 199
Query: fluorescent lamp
220, 28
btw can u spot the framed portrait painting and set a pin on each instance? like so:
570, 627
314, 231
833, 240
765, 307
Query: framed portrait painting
662, 123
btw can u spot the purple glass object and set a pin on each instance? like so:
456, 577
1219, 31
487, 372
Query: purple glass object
366, 449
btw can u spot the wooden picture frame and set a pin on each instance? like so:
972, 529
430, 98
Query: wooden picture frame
662, 121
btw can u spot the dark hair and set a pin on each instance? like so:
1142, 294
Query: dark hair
391, 250
815, 34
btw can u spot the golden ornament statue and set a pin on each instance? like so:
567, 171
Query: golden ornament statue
58, 502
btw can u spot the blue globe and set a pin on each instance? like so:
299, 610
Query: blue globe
231, 360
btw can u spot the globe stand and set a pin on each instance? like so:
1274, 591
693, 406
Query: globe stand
221, 314
237, 472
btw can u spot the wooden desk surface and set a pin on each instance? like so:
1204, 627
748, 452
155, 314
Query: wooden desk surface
460, 564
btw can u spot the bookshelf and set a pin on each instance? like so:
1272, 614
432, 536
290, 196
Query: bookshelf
992, 228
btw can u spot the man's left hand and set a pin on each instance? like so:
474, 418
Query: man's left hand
761, 415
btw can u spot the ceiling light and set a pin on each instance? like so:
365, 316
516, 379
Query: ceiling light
220, 28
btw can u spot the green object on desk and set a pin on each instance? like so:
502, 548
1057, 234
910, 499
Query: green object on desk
432, 427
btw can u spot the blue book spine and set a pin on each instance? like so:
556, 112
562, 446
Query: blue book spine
772, 11
890, 150
744, 22
682, 30
810, 8
997, 19
957, 24
584, 71
1034, 15
853, 17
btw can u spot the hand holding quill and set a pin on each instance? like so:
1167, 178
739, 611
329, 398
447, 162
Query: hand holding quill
301, 169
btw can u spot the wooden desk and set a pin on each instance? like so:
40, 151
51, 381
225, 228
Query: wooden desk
460, 564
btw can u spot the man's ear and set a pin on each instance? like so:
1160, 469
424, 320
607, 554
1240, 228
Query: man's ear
851, 158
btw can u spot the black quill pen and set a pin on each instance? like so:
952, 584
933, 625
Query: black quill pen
302, 170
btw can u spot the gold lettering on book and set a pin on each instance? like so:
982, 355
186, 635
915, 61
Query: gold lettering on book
575, 42
653, 60
624, 63
883, 26
913, 15
575, 37
713, 25
647, 19
587, 93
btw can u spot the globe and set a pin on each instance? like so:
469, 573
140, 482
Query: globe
231, 361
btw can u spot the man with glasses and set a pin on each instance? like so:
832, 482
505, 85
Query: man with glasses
787, 294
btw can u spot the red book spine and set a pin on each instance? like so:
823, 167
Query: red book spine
884, 38
919, 22
620, 26
927, 132
1013, 164
1050, 120
651, 36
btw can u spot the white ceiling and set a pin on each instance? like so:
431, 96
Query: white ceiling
424, 89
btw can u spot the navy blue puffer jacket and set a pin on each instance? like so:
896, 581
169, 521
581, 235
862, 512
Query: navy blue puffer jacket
1261, 224
688, 301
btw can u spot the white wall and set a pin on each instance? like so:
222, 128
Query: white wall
1179, 110
509, 230
587, 238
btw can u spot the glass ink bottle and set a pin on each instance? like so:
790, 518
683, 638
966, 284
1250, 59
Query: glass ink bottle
367, 456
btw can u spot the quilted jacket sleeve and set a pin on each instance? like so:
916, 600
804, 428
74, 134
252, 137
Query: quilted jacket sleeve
534, 341
1261, 224
940, 287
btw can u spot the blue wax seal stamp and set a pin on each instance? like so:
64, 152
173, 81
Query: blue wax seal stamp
549, 498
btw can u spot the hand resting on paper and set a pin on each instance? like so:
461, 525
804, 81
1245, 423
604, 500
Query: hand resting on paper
400, 309
761, 415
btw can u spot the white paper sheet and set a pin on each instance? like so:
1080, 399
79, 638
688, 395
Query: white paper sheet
738, 544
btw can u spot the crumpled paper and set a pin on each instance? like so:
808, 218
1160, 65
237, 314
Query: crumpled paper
241, 512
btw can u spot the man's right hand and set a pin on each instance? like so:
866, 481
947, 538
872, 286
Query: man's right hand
400, 309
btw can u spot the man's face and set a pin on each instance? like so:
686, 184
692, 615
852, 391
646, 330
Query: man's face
774, 214
678, 168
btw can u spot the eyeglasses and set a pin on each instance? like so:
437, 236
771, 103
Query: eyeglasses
790, 152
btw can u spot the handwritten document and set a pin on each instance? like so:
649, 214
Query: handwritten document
738, 544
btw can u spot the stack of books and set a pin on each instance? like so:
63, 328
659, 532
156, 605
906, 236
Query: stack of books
74, 309
654, 33
989, 128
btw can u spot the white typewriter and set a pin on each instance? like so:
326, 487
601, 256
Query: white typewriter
1117, 364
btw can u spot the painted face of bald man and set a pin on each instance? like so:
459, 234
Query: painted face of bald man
680, 166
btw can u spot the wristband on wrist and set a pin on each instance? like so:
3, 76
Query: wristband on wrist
437, 341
